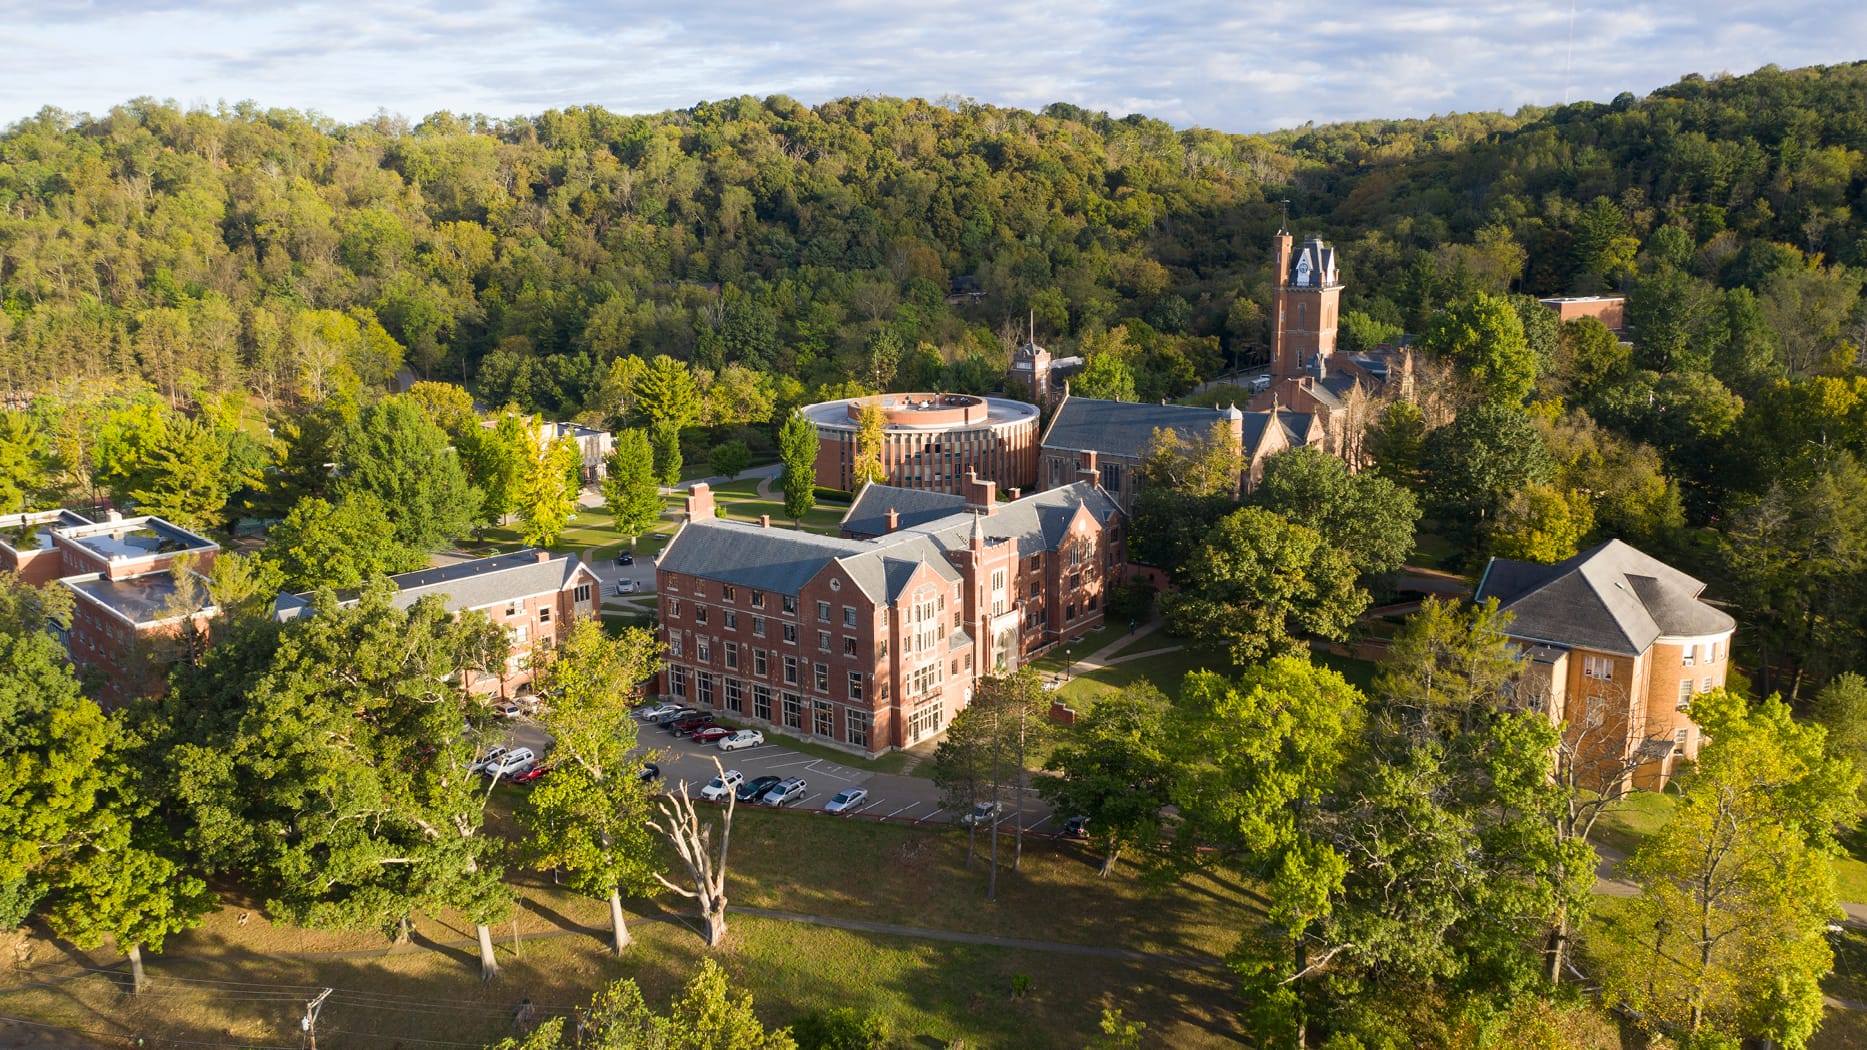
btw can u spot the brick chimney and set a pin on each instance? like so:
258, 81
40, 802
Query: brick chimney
1086, 469
894, 520
543, 556
699, 501
980, 495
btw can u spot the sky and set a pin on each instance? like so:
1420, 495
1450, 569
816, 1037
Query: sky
1240, 66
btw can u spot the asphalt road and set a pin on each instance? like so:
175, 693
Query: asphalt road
906, 799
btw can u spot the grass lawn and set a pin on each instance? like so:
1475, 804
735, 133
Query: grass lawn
1433, 551
1628, 822
243, 978
1166, 671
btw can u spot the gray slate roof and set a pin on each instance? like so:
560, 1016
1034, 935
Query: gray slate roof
465, 585
1611, 598
1296, 426
868, 515
1037, 522
1257, 428
784, 560
1123, 428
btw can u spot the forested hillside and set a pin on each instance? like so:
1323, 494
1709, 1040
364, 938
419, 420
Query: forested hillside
280, 252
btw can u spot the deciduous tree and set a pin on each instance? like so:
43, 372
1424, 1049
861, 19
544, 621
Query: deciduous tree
797, 448
631, 491
590, 815
1258, 581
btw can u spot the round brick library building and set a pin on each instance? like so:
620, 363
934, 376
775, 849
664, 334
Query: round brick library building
931, 441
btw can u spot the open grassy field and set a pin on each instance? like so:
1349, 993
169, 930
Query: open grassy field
241, 979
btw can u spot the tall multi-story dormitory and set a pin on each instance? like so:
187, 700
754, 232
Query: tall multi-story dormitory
871, 641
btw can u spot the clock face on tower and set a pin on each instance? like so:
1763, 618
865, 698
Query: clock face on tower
1303, 270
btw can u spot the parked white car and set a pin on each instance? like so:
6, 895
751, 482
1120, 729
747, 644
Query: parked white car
984, 813
742, 738
517, 760
722, 786
627, 587
492, 755
846, 800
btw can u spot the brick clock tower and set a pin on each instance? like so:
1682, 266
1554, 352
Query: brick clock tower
1305, 306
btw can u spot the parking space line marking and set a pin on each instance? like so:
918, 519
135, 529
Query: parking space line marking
831, 771
864, 808
928, 817
904, 809
787, 765
1039, 824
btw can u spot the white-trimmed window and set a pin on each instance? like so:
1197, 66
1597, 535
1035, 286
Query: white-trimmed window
856, 726
732, 656
1600, 668
1691, 655
703, 650
581, 593
793, 711
735, 695
1680, 736
703, 687
759, 666
1685, 694
855, 685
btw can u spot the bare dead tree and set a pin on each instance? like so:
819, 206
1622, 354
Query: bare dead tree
693, 841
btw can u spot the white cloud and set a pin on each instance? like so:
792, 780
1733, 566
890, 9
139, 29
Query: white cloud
1219, 64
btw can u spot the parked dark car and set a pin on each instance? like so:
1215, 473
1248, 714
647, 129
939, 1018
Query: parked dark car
625, 558
1076, 828
687, 726
649, 772
753, 790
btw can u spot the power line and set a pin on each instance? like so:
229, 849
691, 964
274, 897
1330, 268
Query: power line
9, 1018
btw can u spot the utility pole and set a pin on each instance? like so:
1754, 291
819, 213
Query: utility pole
310, 1023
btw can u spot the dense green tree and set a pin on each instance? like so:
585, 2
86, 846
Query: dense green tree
1631, 496
1396, 442
1589, 356
1841, 710
396, 455
1106, 376
1797, 556
1114, 769
327, 762
1484, 341
548, 490
1727, 937
187, 478
23, 470
1542, 523
729, 459
590, 815
498, 461
666, 396
1184, 485
667, 447
707, 1015
1474, 463
1365, 515
631, 490
339, 545
1670, 312
1255, 756
797, 449
1258, 581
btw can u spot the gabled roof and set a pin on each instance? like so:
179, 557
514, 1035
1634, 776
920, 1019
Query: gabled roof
784, 560
1258, 426
1297, 426
473, 584
1037, 522
1612, 598
868, 515
1123, 428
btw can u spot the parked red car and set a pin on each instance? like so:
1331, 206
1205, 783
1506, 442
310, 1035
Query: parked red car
530, 776
687, 726
709, 734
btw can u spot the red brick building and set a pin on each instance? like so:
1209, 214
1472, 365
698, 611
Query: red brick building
132, 606
1610, 310
931, 441
1618, 645
534, 594
872, 644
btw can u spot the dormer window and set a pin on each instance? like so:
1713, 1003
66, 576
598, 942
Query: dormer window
1303, 270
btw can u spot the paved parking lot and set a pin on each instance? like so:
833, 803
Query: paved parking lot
893, 797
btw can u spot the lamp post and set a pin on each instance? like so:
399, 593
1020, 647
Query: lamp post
1068, 662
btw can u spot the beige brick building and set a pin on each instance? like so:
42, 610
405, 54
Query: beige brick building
1618, 644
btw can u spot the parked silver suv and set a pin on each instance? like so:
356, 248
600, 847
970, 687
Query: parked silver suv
787, 792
